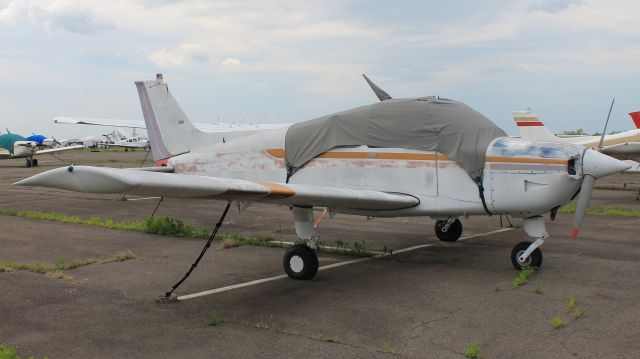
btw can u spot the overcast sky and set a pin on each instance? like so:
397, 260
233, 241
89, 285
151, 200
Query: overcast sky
289, 61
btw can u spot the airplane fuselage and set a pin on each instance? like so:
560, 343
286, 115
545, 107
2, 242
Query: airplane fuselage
512, 178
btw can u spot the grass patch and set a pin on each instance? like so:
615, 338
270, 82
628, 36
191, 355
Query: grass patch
558, 322
572, 302
538, 289
324, 338
578, 313
267, 324
603, 211
389, 349
56, 270
472, 351
214, 319
523, 276
10, 353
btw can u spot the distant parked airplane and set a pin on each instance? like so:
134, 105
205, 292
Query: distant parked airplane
624, 145
16, 146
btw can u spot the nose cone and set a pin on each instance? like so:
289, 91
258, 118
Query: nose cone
598, 165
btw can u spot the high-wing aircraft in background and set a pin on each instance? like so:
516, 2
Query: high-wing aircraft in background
16, 146
425, 156
624, 145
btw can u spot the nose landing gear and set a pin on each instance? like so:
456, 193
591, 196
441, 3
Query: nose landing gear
448, 230
527, 254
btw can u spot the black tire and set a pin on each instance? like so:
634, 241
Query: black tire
534, 260
34, 162
300, 262
28, 163
452, 235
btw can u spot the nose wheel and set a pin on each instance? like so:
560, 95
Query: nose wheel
449, 230
533, 260
300, 262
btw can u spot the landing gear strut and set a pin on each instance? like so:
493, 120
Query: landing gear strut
449, 230
527, 254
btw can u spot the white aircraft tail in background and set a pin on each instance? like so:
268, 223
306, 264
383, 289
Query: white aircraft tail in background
530, 127
624, 145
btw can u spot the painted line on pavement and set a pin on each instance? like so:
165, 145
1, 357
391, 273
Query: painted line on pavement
329, 266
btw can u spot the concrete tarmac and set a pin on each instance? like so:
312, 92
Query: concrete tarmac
428, 303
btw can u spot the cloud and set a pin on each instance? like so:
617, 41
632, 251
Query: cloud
72, 17
554, 6
231, 62
185, 54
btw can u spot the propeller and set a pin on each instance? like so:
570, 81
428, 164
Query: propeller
594, 165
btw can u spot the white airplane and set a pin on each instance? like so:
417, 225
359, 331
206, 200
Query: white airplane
118, 138
426, 156
624, 145
16, 146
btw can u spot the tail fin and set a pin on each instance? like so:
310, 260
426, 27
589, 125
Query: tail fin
530, 127
170, 131
635, 116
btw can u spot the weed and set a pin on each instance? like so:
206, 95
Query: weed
229, 243
523, 276
267, 324
558, 322
578, 313
389, 349
214, 318
472, 351
538, 289
10, 353
572, 302
56, 270
324, 338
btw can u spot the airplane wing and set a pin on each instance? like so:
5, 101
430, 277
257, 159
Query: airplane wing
58, 149
205, 127
132, 145
4, 153
144, 183
99, 122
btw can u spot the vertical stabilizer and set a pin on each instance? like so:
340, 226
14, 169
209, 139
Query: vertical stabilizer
635, 116
530, 127
170, 131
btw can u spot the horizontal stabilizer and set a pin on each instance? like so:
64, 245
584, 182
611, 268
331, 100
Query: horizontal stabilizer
133, 182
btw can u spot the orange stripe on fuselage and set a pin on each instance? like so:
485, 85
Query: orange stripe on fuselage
279, 153
525, 160
277, 190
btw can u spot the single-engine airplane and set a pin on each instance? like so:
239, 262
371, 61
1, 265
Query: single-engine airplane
426, 156
16, 146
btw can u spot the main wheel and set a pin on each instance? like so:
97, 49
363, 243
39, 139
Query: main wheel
28, 163
300, 262
452, 234
534, 260
34, 162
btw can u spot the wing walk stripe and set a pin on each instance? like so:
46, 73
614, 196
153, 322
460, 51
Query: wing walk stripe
277, 189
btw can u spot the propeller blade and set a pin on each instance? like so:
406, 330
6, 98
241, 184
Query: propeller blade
604, 131
588, 182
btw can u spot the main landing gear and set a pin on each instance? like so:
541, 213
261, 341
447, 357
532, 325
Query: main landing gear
528, 254
301, 261
31, 162
448, 230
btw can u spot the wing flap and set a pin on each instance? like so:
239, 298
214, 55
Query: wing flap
125, 181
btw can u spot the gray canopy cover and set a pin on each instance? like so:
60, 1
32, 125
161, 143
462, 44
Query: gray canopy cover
425, 123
